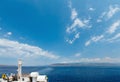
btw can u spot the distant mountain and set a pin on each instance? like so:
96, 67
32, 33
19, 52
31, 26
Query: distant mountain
2, 65
86, 64
6, 65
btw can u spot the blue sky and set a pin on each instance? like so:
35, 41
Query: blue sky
42, 32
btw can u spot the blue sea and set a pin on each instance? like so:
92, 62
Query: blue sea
72, 73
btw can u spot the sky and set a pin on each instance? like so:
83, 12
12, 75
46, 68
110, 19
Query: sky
43, 32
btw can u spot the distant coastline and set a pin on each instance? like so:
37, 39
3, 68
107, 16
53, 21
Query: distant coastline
86, 64
70, 64
7, 65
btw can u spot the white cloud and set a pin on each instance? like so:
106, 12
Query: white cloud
9, 48
69, 41
94, 39
99, 20
73, 11
114, 27
76, 24
112, 10
100, 60
73, 14
92, 60
77, 55
97, 38
74, 28
114, 38
91, 9
77, 35
101, 17
88, 43
9, 33
107, 36
86, 21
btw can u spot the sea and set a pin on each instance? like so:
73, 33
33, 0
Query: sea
71, 73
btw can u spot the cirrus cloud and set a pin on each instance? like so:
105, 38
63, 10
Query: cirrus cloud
76, 25
114, 27
113, 9
94, 39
